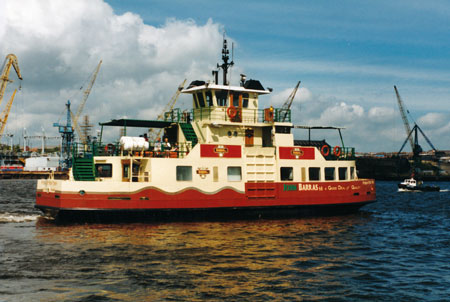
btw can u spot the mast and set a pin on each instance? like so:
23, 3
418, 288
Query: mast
225, 65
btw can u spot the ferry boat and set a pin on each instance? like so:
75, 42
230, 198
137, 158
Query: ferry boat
229, 156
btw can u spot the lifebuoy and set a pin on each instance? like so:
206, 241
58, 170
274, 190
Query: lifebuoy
231, 111
325, 150
337, 151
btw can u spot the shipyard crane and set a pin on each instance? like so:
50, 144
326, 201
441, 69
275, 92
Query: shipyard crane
86, 93
5, 113
169, 107
404, 118
287, 105
67, 136
10, 61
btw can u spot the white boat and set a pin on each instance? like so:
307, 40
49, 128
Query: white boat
413, 185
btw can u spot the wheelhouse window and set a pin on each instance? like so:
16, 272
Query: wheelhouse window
103, 170
329, 173
236, 99
342, 173
184, 173
209, 98
245, 100
201, 100
287, 173
234, 174
352, 172
314, 173
222, 96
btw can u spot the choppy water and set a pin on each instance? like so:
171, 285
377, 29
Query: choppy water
397, 249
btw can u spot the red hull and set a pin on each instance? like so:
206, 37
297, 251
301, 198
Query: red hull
257, 195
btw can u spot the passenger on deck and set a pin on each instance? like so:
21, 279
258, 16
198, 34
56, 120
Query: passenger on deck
157, 147
166, 147
175, 147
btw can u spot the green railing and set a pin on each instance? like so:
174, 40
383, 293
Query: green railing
242, 115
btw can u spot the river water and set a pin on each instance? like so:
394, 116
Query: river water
397, 249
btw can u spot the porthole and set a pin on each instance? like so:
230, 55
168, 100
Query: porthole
235, 133
82, 192
229, 134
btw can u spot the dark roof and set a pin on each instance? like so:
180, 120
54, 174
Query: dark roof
318, 127
137, 123
253, 84
311, 143
196, 83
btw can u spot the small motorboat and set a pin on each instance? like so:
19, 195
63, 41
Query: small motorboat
413, 185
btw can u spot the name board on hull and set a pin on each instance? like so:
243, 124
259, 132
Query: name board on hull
226, 151
296, 153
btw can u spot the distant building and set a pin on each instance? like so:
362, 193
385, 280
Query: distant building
41, 164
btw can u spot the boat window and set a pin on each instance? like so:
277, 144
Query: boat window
329, 173
209, 99
352, 172
195, 101
201, 100
103, 170
314, 173
221, 96
236, 99
287, 173
234, 174
125, 171
342, 173
184, 173
282, 129
245, 100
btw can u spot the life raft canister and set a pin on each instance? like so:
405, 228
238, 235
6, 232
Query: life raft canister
337, 151
325, 150
231, 111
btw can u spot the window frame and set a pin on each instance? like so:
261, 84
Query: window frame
233, 175
180, 175
291, 174
330, 176
317, 169
110, 174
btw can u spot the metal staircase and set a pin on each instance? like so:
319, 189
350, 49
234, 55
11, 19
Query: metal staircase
83, 169
189, 133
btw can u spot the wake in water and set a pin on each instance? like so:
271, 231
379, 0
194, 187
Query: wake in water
15, 217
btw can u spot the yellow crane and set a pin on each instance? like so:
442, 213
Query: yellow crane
152, 133
5, 113
10, 61
86, 93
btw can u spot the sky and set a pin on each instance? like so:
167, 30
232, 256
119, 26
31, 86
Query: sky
347, 54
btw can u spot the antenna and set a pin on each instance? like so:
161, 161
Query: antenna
232, 52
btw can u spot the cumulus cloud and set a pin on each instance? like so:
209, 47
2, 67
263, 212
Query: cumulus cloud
59, 43
434, 120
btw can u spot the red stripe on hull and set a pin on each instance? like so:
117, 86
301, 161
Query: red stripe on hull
256, 195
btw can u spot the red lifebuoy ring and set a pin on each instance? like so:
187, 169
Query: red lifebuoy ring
231, 111
337, 151
325, 150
